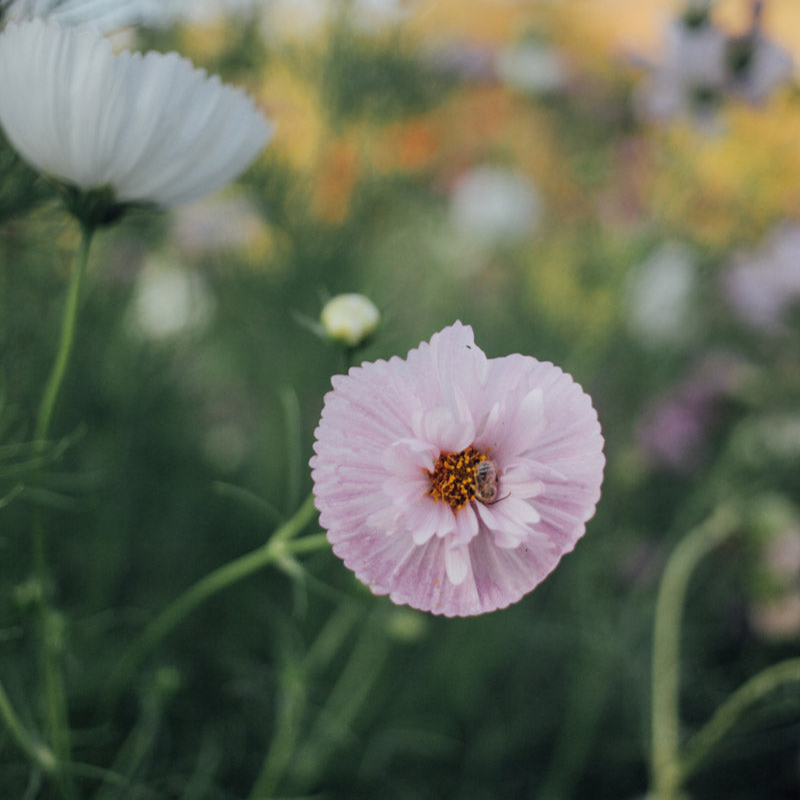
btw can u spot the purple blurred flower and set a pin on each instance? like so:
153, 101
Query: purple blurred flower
401, 493
762, 286
692, 75
704, 64
756, 64
673, 431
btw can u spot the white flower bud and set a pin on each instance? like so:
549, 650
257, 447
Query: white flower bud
350, 318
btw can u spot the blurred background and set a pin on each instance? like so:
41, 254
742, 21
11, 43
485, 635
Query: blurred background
571, 178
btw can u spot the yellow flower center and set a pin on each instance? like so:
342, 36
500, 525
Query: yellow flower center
454, 477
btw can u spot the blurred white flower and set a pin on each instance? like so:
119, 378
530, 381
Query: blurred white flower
775, 612
158, 12
216, 223
306, 20
769, 439
660, 297
169, 300
762, 286
495, 204
150, 128
373, 16
532, 67
350, 318
777, 619
295, 19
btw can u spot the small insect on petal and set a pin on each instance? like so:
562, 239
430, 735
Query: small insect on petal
486, 482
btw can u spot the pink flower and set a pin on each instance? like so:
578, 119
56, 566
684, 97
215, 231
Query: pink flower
452, 482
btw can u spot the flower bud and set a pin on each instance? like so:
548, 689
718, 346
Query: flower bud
350, 319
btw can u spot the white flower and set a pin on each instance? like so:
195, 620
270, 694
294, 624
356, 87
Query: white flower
660, 295
216, 224
350, 318
532, 67
494, 205
151, 128
169, 300
307, 20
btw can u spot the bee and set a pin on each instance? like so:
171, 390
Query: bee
486, 482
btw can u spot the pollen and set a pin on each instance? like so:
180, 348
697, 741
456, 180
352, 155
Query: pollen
453, 477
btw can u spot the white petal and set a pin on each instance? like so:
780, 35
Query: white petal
153, 128
457, 563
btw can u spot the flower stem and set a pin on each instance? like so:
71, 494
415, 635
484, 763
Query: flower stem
68, 325
38, 753
276, 547
293, 697
726, 716
666, 774
346, 700
50, 639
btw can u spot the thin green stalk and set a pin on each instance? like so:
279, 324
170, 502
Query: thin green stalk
293, 697
344, 703
665, 722
726, 716
136, 747
276, 547
48, 620
38, 753
291, 708
68, 326
588, 693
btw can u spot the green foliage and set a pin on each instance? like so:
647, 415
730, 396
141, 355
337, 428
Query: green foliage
175, 454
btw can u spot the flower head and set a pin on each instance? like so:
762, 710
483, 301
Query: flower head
350, 319
763, 286
452, 482
495, 205
139, 128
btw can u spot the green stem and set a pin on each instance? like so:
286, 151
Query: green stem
347, 698
50, 639
588, 693
291, 707
276, 547
726, 716
37, 752
665, 722
68, 326
293, 698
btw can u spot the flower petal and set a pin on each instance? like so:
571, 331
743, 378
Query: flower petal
153, 128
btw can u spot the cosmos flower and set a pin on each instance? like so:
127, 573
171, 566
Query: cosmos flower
452, 482
534, 67
350, 319
143, 128
674, 429
660, 297
692, 76
493, 204
757, 64
705, 65
763, 286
